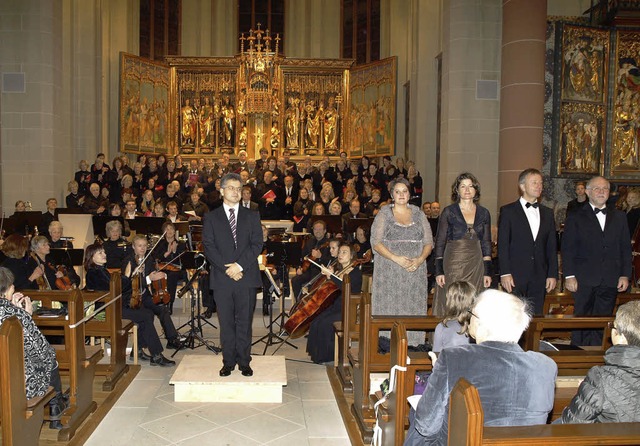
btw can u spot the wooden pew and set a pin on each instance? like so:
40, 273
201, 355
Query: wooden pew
74, 358
21, 418
465, 413
562, 302
345, 338
365, 359
114, 328
393, 415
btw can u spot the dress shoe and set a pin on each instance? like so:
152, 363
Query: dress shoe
208, 314
265, 311
246, 370
161, 361
226, 370
174, 343
142, 355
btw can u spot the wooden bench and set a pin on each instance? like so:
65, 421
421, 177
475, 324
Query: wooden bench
344, 339
366, 359
21, 417
114, 328
562, 302
465, 413
74, 358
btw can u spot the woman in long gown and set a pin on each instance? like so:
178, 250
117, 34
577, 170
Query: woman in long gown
463, 244
401, 240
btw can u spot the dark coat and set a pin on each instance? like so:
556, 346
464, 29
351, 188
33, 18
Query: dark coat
610, 393
593, 256
519, 254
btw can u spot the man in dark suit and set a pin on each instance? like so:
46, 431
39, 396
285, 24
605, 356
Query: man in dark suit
596, 257
247, 202
232, 238
527, 249
289, 195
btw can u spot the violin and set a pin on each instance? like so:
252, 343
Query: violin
64, 282
159, 292
306, 263
136, 292
42, 281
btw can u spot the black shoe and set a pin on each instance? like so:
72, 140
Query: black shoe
142, 355
174, 343
226, 370
265, 311
57, 425
246, 370
209, 313
161, 361
57, 406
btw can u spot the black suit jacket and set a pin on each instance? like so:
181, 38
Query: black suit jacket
220, 249
593, 256
519, 254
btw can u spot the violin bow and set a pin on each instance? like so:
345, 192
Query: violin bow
322, 266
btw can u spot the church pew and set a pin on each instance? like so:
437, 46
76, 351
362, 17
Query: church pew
21, 417
344, 338
562, 302
369, 360
465, 413
74, 358
113, 327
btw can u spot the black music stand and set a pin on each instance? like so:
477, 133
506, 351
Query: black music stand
100, 224
196, 261
71, 211
333, 222
68, 257
286, 255
25, 222
182, 228
354, 223
147, 225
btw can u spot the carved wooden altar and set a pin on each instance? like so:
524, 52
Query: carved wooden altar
216, 105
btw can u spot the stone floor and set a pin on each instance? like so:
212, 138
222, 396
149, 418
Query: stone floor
146, 414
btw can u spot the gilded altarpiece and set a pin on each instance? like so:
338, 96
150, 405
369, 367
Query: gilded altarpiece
144, 106
582, 117
219, 105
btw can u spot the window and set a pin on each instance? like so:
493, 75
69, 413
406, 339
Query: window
361, 30
160, 28
268, 13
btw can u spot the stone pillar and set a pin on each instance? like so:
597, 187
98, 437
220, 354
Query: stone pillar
524, 24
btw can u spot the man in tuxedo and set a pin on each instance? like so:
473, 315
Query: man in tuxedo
232, 238
288, 197
527, 249
247, 202
596, 257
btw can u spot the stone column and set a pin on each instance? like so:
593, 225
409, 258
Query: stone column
524, 25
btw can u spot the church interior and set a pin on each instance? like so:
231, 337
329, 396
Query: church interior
491, 87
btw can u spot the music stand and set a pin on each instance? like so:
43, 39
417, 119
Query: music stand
100, 223
147, 225
354, 223
195, 261
286, 255
182, 228
333, 222
65, 211
25, 221
69, 257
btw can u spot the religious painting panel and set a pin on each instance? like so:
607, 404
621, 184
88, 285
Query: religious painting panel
144, 113
581, 138
625, 128
584, 63
372, 93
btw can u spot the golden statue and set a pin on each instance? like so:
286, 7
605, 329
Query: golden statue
227, 118
331, 125
292, 124
189, 123
206, 123
275, 136
624, 138
242, 138
312, 128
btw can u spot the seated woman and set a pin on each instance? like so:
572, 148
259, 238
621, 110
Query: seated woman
55, 236
362, 240
516, 387
321, 341
98, 278
40, 364
39, 258
611, 392
15, 248
168, 251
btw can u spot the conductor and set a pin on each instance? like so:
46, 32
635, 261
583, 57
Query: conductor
232, 238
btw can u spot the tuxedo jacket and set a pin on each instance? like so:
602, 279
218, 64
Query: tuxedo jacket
596, 257
519, 254
221, 250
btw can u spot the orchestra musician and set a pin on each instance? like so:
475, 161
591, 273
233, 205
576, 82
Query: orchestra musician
321, 341
116, 247
98, 278
15, 248
133, 264
39, 258
317, 248
56, 240
173, 216
168, 251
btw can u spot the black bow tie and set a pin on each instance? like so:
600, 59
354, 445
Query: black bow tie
603, 210
534, 205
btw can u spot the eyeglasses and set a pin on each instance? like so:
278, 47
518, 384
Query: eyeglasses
233, 189
472, 313
612, 326
599, 189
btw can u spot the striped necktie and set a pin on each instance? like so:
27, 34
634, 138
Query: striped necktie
232, 223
